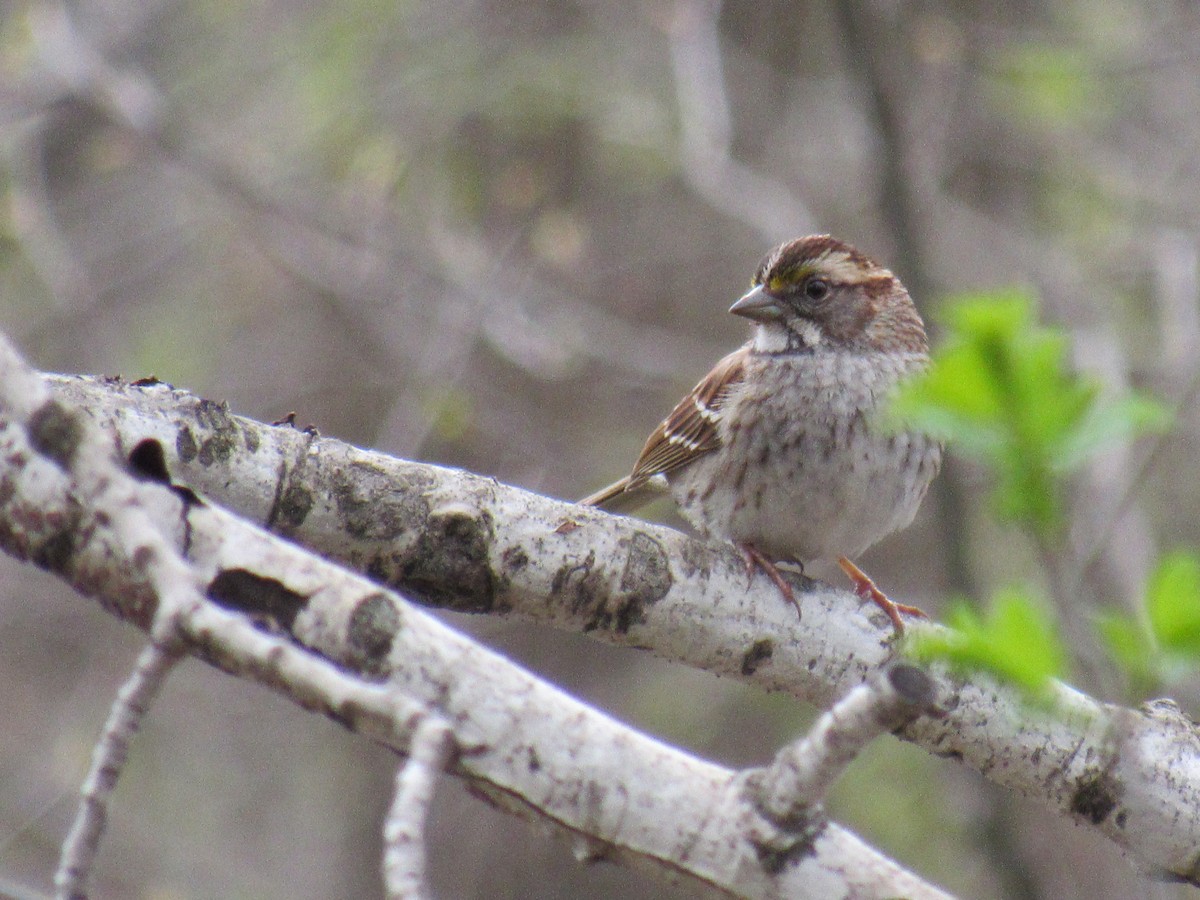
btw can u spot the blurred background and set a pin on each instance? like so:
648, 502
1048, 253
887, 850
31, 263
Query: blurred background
504, 235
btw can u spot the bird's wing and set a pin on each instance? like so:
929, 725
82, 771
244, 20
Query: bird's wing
690, 431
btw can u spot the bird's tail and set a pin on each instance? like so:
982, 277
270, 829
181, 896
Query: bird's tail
623, 496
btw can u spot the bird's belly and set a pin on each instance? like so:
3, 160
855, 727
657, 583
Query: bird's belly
796, 496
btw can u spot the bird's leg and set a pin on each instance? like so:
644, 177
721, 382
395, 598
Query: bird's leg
756, 560
865, 588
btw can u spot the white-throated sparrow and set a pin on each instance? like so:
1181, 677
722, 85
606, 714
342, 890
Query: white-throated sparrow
776, 449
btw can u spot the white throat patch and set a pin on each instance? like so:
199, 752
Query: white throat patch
804, 335
809, 332
770, 339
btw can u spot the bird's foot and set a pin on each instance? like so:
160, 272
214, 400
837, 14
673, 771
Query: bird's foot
756, 560
865, 588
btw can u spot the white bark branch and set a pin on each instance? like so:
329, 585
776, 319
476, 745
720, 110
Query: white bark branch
530, 748
802, 772
404, 830
472, 544
108, 761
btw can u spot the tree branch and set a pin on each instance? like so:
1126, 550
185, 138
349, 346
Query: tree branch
469, 543
108, 760
523, 744
803, 772
404, 830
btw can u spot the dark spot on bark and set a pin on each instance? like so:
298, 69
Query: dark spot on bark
223, 441
217, 448
645, 579
449, 566
647, 574
914, 685
211, 414
1120, 818
697, 560
148, 462
148, 381
250, 437
294, 506
626, 614
760, 651
382, 568
579, 587
143, 556
794, 841
244, 591
55, 431
54, 554
535, 762
1095, 798
955, 755
950, 703
514, 559
373, 627
185, 444
375, 505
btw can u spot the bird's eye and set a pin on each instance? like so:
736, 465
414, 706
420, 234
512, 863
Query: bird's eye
816, 289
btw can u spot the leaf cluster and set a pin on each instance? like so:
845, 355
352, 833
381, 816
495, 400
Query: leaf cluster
1015, 639
1001, 392
1162, 644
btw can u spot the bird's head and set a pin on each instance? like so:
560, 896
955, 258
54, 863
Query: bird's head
817, 292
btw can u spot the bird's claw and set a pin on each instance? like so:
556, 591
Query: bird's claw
756, 560
867, 589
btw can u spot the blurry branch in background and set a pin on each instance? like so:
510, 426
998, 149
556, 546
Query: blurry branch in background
202, 580
471, 544
535, 327
875, 49
1176, 263
361, 266
706, 131
63, 70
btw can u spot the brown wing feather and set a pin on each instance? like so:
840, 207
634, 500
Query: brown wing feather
690, 430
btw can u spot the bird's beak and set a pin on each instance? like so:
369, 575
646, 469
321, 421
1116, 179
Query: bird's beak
758, 305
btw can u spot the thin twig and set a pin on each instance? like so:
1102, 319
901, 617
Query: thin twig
404, 830
108, 760
802, 772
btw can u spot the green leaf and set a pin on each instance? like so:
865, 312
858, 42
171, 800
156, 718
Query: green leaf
1001, 391
1164, 645
1173, 604
1016, 641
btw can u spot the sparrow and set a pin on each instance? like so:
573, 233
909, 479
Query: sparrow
778, 448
